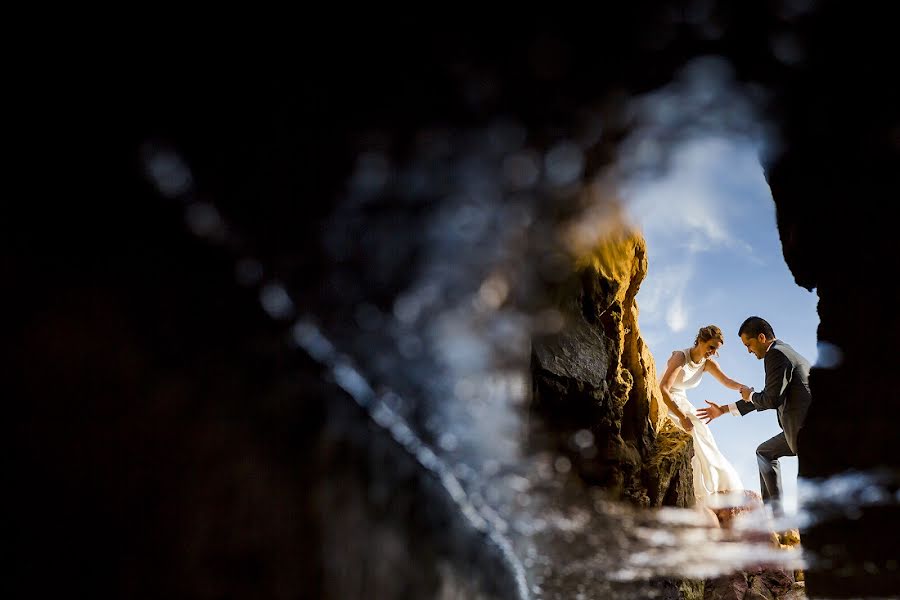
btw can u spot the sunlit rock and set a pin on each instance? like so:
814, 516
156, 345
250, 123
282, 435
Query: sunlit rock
789, 539
597, 374
669, 468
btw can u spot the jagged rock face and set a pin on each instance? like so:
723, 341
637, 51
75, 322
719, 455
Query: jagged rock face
597, 374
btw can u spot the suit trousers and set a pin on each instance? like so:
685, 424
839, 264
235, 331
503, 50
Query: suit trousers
767, 455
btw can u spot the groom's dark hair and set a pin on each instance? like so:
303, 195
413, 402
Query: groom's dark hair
753, 326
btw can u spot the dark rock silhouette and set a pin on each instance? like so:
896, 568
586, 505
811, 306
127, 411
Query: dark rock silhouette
813, 186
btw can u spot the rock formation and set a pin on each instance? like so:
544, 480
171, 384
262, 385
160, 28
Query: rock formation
597, 375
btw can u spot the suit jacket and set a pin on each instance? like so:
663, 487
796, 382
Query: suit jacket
787, 390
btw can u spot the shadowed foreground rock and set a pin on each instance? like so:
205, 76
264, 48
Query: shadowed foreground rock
822, 196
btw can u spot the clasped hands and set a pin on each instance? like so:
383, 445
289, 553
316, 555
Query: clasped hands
714, 410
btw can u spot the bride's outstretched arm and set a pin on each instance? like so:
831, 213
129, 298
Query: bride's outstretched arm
713, 368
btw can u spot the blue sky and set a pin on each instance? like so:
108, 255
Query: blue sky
715, 258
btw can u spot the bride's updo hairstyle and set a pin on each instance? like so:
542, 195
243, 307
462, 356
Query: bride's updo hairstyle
710, 332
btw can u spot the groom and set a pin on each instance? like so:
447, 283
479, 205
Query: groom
787, 391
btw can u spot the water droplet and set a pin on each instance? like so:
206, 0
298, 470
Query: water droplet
564, 164
368, 317
168, 171
521, 171
493, 291
583, 438
448, 442
204, 220
787, 49
548, 321
562, 464
372, 173
248, 272
275, 301
506, 136
307, 336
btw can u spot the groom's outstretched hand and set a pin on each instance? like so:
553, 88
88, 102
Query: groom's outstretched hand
711, 412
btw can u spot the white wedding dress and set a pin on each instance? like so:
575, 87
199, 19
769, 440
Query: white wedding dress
712, 471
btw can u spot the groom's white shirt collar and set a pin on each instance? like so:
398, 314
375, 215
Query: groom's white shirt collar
732, 408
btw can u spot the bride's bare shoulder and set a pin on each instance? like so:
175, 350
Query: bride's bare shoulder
677, 359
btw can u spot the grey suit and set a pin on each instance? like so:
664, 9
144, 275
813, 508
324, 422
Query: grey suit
787, 391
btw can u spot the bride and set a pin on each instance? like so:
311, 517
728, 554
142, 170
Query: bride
712, 471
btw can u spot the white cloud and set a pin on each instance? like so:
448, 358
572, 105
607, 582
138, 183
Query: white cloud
687, 205
665, 280
676, 315
690, 210
662, 298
